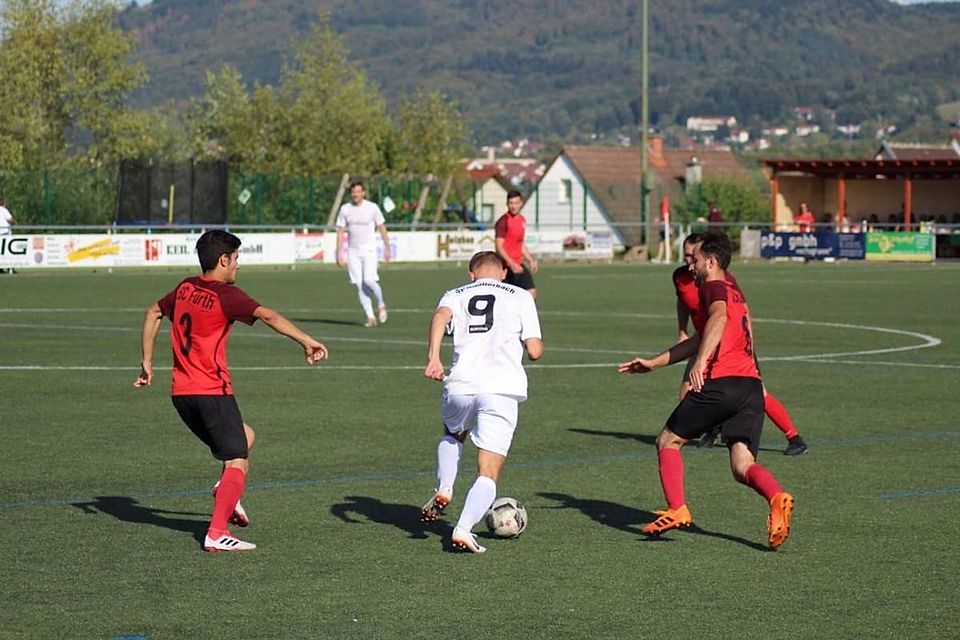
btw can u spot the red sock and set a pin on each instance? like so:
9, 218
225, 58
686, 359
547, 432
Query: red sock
671, 477
232, 484
779, 416
762, 481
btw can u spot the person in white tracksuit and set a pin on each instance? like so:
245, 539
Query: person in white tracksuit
357, 223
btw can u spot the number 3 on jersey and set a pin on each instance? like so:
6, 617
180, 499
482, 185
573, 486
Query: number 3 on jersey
481, 307
186, 322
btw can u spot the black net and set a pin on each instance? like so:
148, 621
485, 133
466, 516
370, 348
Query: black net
184, 193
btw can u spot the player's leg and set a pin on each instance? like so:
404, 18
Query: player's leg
371, 282
239, 516
228, 437
670, 469
355, 271
781, 418
496, 424
459, 416
742, 431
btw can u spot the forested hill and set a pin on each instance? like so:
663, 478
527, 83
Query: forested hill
568, 68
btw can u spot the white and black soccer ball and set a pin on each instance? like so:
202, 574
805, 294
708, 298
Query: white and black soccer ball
507, 518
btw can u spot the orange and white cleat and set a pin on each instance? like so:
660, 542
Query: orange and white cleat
778, 522
669, 519
434, 507
463, 540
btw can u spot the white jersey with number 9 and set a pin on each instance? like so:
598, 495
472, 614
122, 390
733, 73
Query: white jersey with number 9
490, 321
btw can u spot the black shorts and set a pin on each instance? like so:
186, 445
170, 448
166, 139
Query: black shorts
524, 279
733, 404
215, 420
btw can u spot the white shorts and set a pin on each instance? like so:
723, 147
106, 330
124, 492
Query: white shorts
362, 266
491, 419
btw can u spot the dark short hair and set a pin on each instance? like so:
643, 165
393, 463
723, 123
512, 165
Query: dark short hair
513, 193
486, 257
693, 238
718, 245
214, 244
357, 183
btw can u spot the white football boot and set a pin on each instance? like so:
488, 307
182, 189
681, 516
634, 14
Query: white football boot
434, 507
465, 541
226, 542
382, 315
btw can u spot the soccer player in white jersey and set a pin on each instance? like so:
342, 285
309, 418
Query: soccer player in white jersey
491, 323
357, 222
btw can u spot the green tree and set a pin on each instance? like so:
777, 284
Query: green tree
64, 78
740, 202
431, 135
335, 120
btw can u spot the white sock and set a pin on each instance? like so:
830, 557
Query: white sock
480, 497
365, 301
448, 462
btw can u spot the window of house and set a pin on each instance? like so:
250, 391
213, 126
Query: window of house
566, 191
486, 212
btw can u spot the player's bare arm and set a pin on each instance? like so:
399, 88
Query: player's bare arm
314, 351
341, 234
513, 266
534, 348
681, 351
438, 325
712, 333
530, 259
151, 326
386, 242
683, 319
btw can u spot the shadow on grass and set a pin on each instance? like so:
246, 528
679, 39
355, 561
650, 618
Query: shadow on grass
405, 517
629, 519
619, 435
343, 323
128, 509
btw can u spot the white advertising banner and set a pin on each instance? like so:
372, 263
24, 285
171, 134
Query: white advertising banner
287, 248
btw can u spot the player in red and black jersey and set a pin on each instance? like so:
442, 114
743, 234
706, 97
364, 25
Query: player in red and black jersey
202, 311
688, 308
726, 391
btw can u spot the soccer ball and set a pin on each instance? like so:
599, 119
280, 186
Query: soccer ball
507, 518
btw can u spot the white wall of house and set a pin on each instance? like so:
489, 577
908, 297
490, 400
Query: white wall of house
490, 201
558, 203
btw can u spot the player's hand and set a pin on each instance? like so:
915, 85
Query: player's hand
340, 260
697, 375
145, 377
534, 265
434, 370
386, 253
315, 352
637, 365
516, 268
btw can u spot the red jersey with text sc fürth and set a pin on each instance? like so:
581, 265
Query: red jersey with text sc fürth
734, 355
512, 228
202, 313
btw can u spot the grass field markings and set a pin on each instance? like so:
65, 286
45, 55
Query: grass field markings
919, 493
301, 367
919, 365
647, 452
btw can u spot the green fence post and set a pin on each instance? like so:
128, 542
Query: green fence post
257, 182
585, 189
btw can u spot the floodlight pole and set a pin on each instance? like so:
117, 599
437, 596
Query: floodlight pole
644, 127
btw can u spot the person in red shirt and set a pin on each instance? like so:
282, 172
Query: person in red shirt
510, 230
688, 308
725, 390
804, 220
202, 311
